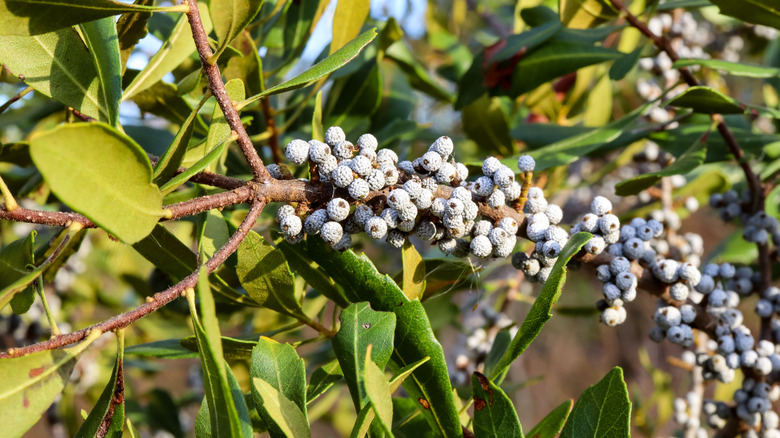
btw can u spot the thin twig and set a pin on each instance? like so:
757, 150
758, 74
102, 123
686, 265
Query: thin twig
14, 99
218, 89
155, 302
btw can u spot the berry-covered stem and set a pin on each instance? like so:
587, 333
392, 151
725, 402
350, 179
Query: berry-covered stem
218, 90
154, 302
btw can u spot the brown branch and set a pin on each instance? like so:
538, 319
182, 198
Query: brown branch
14, 99
270, 124
83, 117
155, 302
218, 90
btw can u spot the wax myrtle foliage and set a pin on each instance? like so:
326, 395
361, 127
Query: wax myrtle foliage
349, 218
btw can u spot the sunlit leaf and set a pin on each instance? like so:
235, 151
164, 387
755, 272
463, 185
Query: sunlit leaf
101, 39
230, 17
603, 410
494, 413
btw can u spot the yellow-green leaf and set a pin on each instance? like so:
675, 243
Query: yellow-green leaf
286, 414
378, 392
230, 17
413, 272
102, 174
347, 21
31, 383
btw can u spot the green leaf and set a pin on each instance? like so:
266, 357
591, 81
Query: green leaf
230, 17
734, 249
224, 417
162, 99
264, 273
175, 50
131, 28
354, 98
297, 256
486, 122
165, 349
419, 78
540, 310
173, 257
58, 65
705, 100
378, 392
203, 418
101, 39
573, 148
429, 384
555, 59
347, 21
674, 4
110, 407
214, 233
213, 155
413, 272
317, 130
320, 69
322, 379
732, 68
232, 348
220, 130
248, 67
14, 261
361, 327
766, 12
280, 366
33, 17
623, 65
602, 410
550, 426
102, 174
31, 383
286, 414
494, 413
584, 14
690, 160
171, 160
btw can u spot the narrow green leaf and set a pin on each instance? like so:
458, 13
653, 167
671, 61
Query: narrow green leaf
361, 327
264, 273
173, 157
378, 392
203, 418
317, 130
706, 100
14, 261
732, 68
584, 14
674, 4
31, 383
321, 69
162, 99
413, 272
248, 67
165, 349
33, 17
286, 414
418, 76
623, 65
355, 97
172, 256
573, 148
429, 384
220, 130
690, 160
101, 39
540, 310
224, 418
131, 28
766, 12
280, 366
300, 262
174, 51
555, 59
363, 422
230, 17
405, 372
550, 426
603, 410
213, 155
58, 65
322, 379
494, 413
347, 21
108, 414
102, 174
214, 233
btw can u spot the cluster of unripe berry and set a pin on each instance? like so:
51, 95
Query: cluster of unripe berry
758, 227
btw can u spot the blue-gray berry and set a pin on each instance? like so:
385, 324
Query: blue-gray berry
525, 163
442, 146
503, 176
342, 176
496, 199
291, 225
431, 161
318, 151
398, 198
297, 151
483, 186
511, 226
338, 209
395, 238
284, 211
600, 206
490, 166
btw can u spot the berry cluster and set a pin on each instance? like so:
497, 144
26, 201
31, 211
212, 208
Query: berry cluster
759, 227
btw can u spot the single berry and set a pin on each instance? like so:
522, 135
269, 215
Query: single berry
496, 199
395, 238
512, 191
297, 151
385, 156
442, 146
338, 209
431, 161
398, 198
509, 224
331, 232
481, 246
503, 177
446, 173
334, 135
490, 166
361, 165
314, 221
600, 206
342, 176
359, 189
284, 211
483, 186
526, 163
367, 141
291, 225
318, 151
